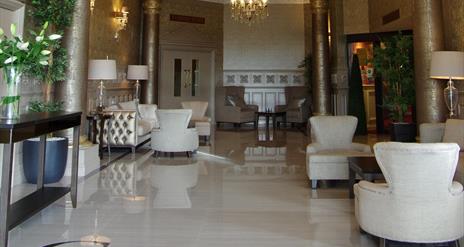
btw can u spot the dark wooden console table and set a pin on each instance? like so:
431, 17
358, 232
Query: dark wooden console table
29, 126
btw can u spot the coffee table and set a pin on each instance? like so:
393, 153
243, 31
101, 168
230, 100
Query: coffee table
366, 167
273, 115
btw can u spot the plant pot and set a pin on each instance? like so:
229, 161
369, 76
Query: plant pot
403, 132
56, 155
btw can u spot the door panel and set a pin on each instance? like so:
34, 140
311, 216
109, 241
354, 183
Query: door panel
185, 76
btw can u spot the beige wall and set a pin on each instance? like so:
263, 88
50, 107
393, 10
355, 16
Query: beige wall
356, 16
276, 43
208, 35
379, 8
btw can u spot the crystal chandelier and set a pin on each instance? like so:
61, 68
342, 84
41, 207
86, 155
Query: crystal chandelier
249, 11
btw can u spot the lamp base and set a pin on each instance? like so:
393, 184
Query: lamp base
451, 98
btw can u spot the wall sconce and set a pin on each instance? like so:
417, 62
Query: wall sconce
122, 17
92, 5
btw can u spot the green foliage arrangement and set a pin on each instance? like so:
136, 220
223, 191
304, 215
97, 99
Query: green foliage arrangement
356, 98
59, 14
394, 63
308, 72
39, 106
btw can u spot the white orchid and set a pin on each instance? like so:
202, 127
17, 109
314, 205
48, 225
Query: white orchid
23, 46
54, 37
39, 38
44, 62
1, 51
10, 60
45, 52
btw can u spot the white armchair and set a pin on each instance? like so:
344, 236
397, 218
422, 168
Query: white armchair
201, 122
174, 134
450, 132
419, 203
332, 144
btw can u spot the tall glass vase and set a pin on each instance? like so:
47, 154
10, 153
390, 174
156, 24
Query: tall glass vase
9, 103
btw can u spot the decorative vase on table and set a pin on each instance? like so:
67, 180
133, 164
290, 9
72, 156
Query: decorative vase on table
10, 101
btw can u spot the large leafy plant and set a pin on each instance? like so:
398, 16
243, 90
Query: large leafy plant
393, 61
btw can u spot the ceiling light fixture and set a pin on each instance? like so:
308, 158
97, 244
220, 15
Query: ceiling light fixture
249, 11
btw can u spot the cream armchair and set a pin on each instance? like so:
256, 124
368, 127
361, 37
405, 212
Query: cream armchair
201, 122
450, 132
332, 144
130, 126
231, 107
174, 135
419, 203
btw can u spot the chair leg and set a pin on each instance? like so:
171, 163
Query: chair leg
382, 242
458, 244
133, 150
314, 184
188, 154
172, 155
155, 154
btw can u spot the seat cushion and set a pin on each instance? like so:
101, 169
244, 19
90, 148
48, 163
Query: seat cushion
144, 127
454, 132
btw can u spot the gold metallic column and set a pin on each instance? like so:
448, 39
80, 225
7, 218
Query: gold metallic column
73, 91
428, 37
150, 55
321, 64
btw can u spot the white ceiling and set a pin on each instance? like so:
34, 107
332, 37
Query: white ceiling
270, 1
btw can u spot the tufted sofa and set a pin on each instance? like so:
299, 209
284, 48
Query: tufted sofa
130, 125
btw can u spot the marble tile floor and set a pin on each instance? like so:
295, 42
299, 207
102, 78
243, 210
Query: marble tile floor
246, 189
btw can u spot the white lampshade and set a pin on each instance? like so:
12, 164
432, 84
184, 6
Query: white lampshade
447, 64
137, 72
102, 69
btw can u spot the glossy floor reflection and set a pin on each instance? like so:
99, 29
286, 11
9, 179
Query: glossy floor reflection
247, 189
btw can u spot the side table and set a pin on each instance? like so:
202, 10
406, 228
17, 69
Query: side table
366, 167
93, 118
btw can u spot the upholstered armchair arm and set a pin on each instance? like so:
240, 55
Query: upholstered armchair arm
122, 128
313, 148
254, 107
305, 110
228, 114
148, 112
280, 108
380, 189
431, 132
361, 147
456, 189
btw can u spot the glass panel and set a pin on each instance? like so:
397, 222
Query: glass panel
195, 75
177, 77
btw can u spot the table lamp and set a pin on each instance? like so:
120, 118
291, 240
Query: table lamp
137, 73
103, 70
448, 65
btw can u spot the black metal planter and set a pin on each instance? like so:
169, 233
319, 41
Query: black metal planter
403, 132
55, 159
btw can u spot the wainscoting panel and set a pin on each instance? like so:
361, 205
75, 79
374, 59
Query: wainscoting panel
263, 78
265, 98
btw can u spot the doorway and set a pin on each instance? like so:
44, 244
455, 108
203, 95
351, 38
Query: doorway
186, 75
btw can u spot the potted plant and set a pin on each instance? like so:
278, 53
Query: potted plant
56, 152
393, 61
18, 56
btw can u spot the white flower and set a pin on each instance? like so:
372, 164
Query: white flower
22, 46
54, 37
39, 38
45, 52
44, 62
10, 60
13, 29
1, 51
